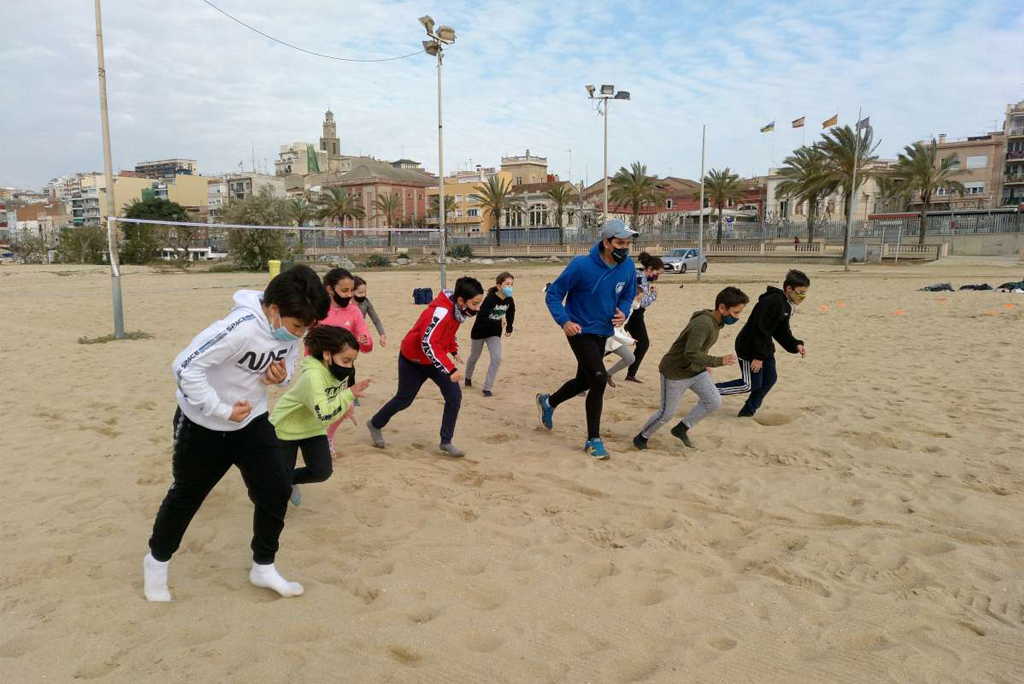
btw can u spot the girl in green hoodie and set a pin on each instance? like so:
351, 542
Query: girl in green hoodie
323, 394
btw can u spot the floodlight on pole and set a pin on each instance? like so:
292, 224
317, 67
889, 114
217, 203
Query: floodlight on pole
435, 48
607, 94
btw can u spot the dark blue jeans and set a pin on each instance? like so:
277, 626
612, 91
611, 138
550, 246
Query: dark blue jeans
758, 384
411, 377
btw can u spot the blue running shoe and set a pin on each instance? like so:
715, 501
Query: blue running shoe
595, 447
546, 412
296, 496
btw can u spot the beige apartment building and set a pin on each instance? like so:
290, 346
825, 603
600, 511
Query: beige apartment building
89, 202
525, 169
1013, 164
779, 207
468, 216
167, 168
979, 160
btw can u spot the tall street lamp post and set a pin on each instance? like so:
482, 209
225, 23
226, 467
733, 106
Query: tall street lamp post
439, 40
604, 97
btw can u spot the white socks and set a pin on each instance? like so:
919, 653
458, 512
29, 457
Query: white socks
266, 576
155, 578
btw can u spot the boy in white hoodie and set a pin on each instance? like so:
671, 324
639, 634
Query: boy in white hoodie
222, 378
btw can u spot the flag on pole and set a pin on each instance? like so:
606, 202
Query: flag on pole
799, 123
864, 123
769, 128
830, 122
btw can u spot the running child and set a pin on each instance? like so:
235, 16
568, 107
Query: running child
366, 307
320, 397
424, 355
685, 367
221, 420
341, 286
498, 306
769, 319
651, 268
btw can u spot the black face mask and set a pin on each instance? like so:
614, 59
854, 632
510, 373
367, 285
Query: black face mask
468, 312
342, 373
341, 301
620, 254
360, 299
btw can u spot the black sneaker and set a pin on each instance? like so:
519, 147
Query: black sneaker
640, 442
488, 393
469, 383
744, 413
682, 432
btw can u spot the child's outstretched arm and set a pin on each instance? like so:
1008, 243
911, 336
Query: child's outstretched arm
372, 313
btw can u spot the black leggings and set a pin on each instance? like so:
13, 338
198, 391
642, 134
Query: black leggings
591, 377
316, 452
636, 326
201, 458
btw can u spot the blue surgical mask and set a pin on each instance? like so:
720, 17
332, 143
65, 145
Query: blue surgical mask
507, 291
729, 320
283, 333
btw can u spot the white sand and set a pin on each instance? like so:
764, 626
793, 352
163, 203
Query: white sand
869, 527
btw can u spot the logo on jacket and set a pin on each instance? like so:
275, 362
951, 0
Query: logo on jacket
258, 364
619, 286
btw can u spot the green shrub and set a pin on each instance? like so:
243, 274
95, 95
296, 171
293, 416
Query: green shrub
460, 252
377, 261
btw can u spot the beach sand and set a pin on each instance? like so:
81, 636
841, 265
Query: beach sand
867, 527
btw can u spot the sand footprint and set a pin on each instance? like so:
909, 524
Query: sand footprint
723, 643
405, 656
423, 614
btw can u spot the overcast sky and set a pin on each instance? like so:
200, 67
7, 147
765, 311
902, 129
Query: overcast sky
185, 81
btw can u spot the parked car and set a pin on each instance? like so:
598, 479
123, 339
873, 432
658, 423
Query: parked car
684, 259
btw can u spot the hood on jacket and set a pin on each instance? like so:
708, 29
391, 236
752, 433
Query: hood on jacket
251, 301
313, 364
446, 298
710, 314
771, 292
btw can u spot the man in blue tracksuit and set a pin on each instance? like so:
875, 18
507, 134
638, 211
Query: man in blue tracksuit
594, 294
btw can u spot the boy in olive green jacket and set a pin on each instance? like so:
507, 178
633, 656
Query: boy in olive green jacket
323, 394
685, 366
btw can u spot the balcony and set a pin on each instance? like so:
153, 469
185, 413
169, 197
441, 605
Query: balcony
1015, 155
1015, 131
1013, 179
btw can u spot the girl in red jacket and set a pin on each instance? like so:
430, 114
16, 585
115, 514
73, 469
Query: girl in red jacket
425, 355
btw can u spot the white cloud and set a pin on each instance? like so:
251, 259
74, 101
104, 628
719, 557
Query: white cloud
185, 81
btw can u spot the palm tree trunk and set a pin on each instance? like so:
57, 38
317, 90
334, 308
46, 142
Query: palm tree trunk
497, 227
719, 240
925, 202
561, 230
812, 209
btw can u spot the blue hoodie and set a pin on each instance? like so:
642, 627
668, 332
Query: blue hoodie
592, 290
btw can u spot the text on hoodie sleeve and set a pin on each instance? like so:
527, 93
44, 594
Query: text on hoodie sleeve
433, 344
190, 374
327, 403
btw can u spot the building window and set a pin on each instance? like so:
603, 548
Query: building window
519, 180
458, 213
513, 218
668, 204
538, 215
472, 213
458, 199
978, 161
974, 188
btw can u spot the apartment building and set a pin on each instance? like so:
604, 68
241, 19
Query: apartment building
1013, 163
167, 168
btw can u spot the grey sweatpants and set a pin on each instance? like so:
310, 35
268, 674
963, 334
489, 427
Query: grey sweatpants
476, 349
672, 393
626, 359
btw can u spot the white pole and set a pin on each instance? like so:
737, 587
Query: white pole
700, 236
853, 194
108, 172
440, 174
607, 101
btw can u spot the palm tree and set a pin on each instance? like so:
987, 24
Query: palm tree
633, 188
301, 213
917, 169
389, 205
495, 196
802, 172
561, 195
721, 188
449, 209
339, 206
847, 157
891, 194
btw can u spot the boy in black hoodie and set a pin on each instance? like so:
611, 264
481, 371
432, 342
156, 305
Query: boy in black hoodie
769, 319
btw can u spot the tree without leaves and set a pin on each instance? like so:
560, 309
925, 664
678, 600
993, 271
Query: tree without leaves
496, 196
920, 172
561, 195
803, 172
633, 188
390, 205
28, 244
722, 187
83, 245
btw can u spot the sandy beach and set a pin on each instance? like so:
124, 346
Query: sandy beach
867, 527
